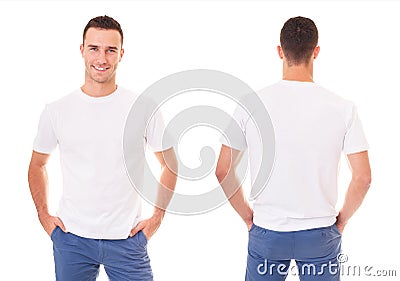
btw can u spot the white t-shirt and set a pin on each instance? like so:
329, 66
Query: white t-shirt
312, 128
98, 200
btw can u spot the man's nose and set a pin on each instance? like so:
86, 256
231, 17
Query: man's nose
101, 57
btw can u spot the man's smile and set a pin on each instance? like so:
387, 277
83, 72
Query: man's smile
98, 68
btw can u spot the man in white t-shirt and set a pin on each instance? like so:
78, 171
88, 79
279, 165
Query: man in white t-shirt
99, 216
295, 217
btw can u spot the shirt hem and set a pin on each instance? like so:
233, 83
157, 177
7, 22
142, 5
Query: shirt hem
296, 224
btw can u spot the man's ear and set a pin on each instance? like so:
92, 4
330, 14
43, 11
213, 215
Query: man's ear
316, 52
280, 51
81, 48
121, 54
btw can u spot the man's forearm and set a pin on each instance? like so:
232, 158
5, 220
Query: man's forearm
358, 187
164, 194
38, 185
166, 189
242, 207
355, 195
234, 192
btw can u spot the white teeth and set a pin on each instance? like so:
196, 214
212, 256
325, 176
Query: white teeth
100, 68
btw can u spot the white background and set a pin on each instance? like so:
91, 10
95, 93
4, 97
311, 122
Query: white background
40, 62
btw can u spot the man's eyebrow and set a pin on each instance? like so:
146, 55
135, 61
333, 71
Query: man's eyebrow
109, 47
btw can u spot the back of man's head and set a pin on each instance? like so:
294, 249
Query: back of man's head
299, 37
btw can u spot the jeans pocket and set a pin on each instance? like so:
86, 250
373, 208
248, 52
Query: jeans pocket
336, 229
142, 238
252, 227
53, 233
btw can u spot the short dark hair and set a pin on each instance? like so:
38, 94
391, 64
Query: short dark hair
104, 22
299, 37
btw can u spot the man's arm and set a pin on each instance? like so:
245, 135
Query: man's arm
169, 171
38, 185
226, 175
358, 187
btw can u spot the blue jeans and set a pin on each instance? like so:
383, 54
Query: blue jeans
78, 259
315, 252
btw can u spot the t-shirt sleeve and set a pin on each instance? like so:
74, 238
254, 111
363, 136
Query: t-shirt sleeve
235, 133
156, 135
354, 139
46, 140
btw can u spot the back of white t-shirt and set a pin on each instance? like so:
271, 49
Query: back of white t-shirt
312, 128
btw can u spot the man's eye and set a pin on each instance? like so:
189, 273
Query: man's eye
111, 51
93, 49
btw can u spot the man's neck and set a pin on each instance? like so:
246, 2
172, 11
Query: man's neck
301, 73
97, 90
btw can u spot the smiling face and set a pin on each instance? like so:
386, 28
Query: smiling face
101, 51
